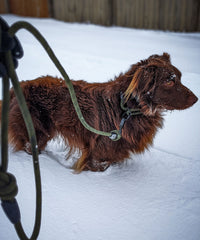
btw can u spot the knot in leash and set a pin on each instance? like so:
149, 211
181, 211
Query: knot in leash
8, 186
8, 191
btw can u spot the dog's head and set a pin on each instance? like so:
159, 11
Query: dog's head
156, 84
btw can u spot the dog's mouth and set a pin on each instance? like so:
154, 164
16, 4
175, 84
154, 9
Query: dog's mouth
191, 101
169, 108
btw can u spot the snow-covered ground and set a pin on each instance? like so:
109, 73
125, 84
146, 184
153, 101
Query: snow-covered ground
153, 196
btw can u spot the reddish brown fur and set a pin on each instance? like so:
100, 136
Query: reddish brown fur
152, 85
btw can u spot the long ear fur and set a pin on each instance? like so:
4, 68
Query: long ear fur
141, 83
142, 87
132, 88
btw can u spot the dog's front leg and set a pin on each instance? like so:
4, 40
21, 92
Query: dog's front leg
87, 162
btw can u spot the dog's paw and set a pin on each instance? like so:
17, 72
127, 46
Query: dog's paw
97, 165
27, 148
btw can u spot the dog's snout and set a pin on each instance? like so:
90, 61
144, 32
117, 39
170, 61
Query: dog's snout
192, 99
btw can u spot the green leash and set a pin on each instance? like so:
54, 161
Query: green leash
8, 186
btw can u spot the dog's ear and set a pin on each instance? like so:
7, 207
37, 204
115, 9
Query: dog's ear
165, 57
141, 82
132, 88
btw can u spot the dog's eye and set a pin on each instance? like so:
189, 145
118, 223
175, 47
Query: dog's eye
172, 77
169, 83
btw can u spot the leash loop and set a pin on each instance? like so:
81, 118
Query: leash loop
8, 187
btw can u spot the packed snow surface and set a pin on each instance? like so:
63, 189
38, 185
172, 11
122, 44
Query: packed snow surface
153, 196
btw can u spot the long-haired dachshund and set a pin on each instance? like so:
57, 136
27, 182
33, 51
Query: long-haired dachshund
152, 86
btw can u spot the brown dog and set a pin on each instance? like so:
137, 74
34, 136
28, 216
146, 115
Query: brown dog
152, 86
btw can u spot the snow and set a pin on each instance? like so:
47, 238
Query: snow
153, 196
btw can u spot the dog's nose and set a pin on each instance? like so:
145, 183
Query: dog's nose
192, 99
